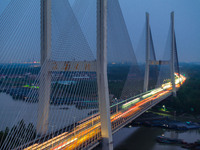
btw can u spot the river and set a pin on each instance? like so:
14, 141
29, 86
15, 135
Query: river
144, 138
133, 138
12, 111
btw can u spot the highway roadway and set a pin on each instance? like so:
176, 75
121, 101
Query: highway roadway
89, 131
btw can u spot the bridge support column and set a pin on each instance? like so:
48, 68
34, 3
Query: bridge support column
45, 75
172, 62
146, 77
102, 80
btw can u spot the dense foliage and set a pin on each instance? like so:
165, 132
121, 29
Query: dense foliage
21, 134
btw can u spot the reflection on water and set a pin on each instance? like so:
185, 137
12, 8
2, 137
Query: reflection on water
144, 139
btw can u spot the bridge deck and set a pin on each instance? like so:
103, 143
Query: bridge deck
88, 134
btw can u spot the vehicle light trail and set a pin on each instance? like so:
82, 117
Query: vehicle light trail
90, 127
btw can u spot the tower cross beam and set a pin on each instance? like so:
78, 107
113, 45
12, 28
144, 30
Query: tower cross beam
159, 62
70, 66
170, 62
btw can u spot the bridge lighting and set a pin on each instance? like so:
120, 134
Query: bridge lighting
117, 107
164, 108
127, 112
67, 143
130, 103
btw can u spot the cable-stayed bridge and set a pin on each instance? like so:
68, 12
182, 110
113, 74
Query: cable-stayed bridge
73, 68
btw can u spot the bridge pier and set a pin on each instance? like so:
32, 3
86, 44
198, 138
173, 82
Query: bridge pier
102, 79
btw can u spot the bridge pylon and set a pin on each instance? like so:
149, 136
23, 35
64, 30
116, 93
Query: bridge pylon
45, 75
102, 79
173, 53
99, 66
151, 60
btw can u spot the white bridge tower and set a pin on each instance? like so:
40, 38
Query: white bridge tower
99, 66
171, 62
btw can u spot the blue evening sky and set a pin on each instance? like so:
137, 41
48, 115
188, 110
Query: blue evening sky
187, 24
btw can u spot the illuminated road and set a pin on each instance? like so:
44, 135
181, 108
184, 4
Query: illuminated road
88, 131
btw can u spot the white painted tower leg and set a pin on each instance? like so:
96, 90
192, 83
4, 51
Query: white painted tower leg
173, 56
102, 80
146, 77
45, 75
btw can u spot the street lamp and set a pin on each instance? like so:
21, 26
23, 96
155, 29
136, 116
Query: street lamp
117, 105
52, 126
92, 116
164, 108
74, 127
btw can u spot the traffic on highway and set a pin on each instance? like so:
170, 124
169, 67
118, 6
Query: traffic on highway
88, 131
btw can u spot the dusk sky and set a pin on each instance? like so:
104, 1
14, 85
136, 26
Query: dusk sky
187, 24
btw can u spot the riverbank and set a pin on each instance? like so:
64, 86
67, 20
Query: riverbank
152, 119
144, 138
